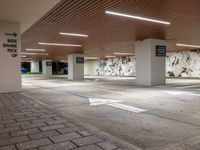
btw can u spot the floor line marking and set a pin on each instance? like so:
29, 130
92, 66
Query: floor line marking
129, 108
181, 93
114, 103
115, 92
99, 101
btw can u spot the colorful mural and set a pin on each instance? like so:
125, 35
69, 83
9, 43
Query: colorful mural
122, 66
183, 64
178, 64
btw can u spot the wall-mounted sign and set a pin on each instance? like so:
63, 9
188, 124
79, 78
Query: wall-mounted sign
11, 44
160, 50
48, 63
79, 60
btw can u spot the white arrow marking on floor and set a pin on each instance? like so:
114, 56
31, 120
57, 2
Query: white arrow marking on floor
126, 107
114, 103
97, 101
181, 93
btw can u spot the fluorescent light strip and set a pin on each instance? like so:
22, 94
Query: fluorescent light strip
64, 60
117, 53
187, 45
60, 44
74, 34
137, 17
110, 56
91, 57
34, 54
23, 56
32, 49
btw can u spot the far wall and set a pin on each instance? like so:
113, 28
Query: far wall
178, 64
121, 66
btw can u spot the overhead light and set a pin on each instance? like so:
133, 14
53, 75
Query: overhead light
60, 44
187, 45
91, 57
34, 54
110, 56
39, 50
117, 53
23, 56
137, 17
74, 34
64, 60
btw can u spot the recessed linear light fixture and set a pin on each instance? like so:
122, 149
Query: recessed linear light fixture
32, 49
73, 34
110, 56
137, 17
59, 44
34, 54
92, 58
64, 60
187, 45
126, 54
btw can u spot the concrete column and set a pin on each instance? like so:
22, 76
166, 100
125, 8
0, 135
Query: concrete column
150, 62
47, 68
75, 67
10, 59
35, 67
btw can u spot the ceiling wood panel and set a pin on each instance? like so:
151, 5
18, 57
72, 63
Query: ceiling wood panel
108, 33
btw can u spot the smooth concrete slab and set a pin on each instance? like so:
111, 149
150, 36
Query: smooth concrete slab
170, 120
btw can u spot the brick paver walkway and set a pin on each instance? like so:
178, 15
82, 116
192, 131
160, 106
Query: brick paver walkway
25, 124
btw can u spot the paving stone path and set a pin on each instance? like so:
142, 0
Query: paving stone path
26, 124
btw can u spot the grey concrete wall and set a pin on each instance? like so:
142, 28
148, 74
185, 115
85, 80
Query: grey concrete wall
10, 61
35, 67
47, 69
90, 67
75, 70
150, 69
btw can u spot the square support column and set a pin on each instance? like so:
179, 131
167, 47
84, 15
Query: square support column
150, 62
35, 67
47, 68
10, 58
75, 66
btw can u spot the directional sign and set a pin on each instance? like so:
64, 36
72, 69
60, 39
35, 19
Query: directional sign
114, 103
11, 44
12, 34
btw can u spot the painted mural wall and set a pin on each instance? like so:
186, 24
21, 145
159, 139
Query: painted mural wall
178, 64
183, 64
122, 66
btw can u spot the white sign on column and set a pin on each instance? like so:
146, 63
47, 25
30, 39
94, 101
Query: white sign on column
10, 59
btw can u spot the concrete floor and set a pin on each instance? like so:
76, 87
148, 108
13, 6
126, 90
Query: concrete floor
171, 118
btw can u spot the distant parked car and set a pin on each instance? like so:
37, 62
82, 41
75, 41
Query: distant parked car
24, 70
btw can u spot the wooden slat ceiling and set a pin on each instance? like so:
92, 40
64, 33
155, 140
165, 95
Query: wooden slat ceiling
107, 33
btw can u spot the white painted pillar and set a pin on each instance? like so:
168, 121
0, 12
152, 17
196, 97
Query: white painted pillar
35, 67
150, 62
47, 68
75, 67
10, 59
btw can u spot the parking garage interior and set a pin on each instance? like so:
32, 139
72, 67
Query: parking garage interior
100, 75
